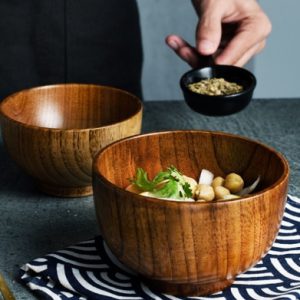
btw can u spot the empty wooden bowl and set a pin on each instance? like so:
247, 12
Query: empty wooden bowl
189, 248
53, 132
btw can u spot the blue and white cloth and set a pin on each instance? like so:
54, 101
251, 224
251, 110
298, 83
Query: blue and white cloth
89, 271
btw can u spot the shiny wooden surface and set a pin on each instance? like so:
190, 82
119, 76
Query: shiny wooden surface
4, 290
33, 223
189, 248
53, 132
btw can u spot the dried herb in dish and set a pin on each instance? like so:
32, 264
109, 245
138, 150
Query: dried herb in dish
215, 87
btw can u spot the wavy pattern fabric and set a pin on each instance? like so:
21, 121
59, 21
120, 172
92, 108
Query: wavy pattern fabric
89, 271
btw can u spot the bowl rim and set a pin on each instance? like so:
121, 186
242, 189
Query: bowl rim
219, 97
139, 109
278, 182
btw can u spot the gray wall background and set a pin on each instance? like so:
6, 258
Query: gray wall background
276, 68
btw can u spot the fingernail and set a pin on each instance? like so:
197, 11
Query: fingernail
173, 45
206, 47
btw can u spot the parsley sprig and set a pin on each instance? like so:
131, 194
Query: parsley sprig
166, 184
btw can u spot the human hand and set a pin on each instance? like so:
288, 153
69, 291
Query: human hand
232, 31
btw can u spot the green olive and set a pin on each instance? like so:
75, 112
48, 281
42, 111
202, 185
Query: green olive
204, 192
218, 181
234, 183
220, 192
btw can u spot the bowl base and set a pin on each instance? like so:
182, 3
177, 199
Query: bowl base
68, 192
188, 289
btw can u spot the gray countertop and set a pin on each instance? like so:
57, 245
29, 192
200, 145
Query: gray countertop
33, 224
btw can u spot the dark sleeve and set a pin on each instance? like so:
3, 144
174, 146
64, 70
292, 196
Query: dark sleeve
90, 41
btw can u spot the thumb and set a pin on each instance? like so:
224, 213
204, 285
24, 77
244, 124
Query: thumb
209, 32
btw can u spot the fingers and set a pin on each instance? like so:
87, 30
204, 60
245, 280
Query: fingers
246, 40
248, 29
183, 49
230, 33
209, 32
250, 53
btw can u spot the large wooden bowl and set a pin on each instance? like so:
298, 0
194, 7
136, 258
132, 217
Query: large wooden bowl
189, 248
53, 132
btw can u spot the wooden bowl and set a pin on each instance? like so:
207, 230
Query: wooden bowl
189, 248
53, 132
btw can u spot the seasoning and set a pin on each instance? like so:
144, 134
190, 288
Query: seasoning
215, 87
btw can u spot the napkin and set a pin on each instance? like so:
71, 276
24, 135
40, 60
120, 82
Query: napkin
89, 270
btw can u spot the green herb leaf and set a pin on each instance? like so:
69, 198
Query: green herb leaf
161, 176
166, 184
169, 190
187, 189
141, 180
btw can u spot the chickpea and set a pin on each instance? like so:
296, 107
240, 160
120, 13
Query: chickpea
220, 192
218, 181
204, 192
234, 183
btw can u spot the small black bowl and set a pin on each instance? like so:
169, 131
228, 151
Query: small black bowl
218, 105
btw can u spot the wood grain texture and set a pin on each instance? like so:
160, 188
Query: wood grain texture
53, 132
189, 248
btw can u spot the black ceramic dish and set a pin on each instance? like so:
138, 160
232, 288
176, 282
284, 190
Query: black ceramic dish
218, 105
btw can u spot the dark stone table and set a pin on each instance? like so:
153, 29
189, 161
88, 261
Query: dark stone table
33, 224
